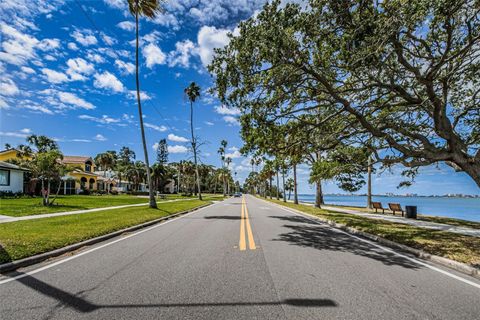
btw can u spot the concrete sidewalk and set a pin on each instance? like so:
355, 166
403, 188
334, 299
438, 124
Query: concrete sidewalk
6, 219
413, 222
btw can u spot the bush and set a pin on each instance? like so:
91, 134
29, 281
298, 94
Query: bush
10, 194
84, 192
138, 193
114, 192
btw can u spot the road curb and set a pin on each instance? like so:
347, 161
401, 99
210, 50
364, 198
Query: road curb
449, 263
25, 262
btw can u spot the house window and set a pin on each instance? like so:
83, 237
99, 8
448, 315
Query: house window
4, 177
88, 166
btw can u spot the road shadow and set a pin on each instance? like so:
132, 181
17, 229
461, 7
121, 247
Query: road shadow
4, 256
223, 217
80, 304
312, 235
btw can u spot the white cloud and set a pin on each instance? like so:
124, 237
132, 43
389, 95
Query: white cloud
72, 46
18, 47
154, 55
85, 38
126, 25
176, 138
48, 44
125, 67
182, 53
167, 20
155, 127
132, 94
100, 137
227, 111
177, 149
95, 57
231, 120
107, 80
209, 38
208, 123
13, 134
233, 155
26, 130
54, 76
108, 40
103, 120
72, 99
117, 4
78, 68
27, 70
8, 87
37, 108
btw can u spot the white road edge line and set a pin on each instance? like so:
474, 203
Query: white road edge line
451, 275
100, 247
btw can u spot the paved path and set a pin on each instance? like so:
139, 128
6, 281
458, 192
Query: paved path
413, 222
193, 267
6, 219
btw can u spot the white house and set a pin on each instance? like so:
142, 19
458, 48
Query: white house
11, 177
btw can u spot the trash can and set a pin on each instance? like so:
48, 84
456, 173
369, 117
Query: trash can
411, 212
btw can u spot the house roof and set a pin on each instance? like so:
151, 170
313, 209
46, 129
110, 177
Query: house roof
6, 165
8, 151
76, 159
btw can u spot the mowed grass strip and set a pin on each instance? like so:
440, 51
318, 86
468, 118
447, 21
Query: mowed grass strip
450, 245
31, 206
26, 238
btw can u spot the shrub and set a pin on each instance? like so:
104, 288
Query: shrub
10, 194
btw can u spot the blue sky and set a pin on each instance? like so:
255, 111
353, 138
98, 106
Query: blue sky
68, 73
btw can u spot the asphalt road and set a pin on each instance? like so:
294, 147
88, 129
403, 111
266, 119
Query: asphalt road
228, 262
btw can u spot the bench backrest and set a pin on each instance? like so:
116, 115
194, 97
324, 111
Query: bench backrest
395, 206
377, 205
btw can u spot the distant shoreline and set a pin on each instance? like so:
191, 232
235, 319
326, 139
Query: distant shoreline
464, 196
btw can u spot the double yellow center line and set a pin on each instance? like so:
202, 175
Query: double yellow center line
245, 224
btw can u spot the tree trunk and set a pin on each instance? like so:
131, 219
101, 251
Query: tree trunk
153, 202
283, 186
270, 186
319, 195
369, 186
58, 191
47, 199
278, 187
295, 194
43, 193
194, 146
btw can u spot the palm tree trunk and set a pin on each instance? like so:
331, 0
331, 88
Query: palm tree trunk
283, 185
278, 187
194, 146
153, 202
295, 194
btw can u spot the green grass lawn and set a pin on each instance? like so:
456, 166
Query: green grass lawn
424, 217
454, 246
25, 238
30, 206
33, 206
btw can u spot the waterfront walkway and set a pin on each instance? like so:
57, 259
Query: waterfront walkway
397, 219
413, 222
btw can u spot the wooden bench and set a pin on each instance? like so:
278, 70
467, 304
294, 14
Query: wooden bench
395, 207
378, 206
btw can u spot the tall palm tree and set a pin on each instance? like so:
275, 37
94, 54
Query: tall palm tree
149, 9
221, 151
193, 92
